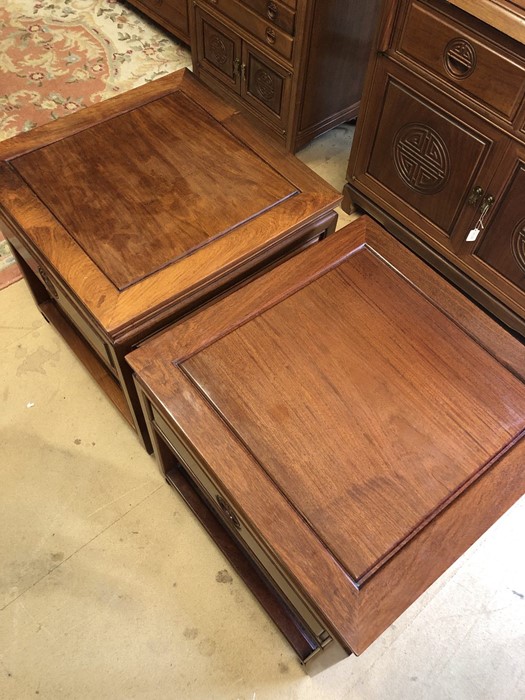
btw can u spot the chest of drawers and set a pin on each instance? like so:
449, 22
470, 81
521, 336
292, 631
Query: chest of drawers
296, 65
345, 427
129, 215
440, 150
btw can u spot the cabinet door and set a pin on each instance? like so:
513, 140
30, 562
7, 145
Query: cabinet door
266, 87
499, 255
420, 158
218, 50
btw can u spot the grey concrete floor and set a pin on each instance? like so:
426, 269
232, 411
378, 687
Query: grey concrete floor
110, 589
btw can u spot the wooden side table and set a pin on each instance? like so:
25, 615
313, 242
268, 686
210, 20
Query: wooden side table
345, 427
130, 214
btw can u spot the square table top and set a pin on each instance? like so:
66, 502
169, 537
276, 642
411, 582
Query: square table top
356, 397
144, 199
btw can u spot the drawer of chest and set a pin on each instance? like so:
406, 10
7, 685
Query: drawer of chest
219, 503
491, 74
260, 27
274, 12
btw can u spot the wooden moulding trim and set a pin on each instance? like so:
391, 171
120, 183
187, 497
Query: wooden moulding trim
36, 225
193, 275
209, 324
473, 320
89, 116
286, 164
52, 132
311, 567
507, 17
495, 339
114, 310
405, 577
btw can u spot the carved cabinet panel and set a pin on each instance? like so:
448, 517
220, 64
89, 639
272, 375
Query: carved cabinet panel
242, 69
266, 86
439, 157
219, 50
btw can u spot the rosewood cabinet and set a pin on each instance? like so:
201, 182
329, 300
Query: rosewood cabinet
296, 65
170, 14
439, 150
345, 427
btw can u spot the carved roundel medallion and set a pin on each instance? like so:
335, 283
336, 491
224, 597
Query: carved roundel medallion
218, 49
421, 158
518, 244
459, 58
264, 85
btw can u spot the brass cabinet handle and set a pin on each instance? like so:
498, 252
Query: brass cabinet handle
239, 68
475, 195
270, 35
236, 66
228, 512
272, 11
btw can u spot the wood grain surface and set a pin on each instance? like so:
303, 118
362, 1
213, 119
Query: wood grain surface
95, 232
136, 205
362, 416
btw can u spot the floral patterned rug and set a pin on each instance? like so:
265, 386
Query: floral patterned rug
58, 56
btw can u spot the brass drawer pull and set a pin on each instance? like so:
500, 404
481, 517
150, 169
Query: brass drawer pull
272, 11
228, 512
270, 35
49, 285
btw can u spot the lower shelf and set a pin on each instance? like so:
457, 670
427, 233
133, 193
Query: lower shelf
88, 357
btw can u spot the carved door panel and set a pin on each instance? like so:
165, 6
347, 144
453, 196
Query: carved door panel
422, 162
265, 86
499, 254
218, 50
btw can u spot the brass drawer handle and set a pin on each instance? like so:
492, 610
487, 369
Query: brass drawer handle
272, 11
49, 285
228, 512
270, 35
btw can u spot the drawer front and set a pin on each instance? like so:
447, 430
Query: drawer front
174, 12
464, 59
238, 527
261, 28
274, 12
